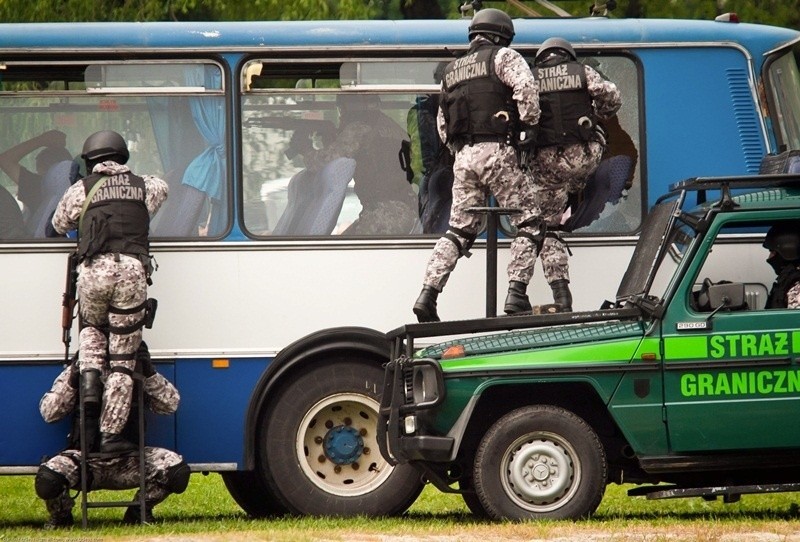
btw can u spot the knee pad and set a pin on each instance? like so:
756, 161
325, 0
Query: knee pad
178, 477
49, 484
455, 235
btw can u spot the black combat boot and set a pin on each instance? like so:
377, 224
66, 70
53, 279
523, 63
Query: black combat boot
517, 300
92, 390
59, 521
425, 306
133, 515
561, 294
115, 444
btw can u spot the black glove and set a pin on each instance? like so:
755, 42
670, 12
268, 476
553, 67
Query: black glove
144, 362
300, 143
74, 375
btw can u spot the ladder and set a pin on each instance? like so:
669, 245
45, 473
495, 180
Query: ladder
138, 391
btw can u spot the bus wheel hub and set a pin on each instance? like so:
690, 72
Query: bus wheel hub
343, 444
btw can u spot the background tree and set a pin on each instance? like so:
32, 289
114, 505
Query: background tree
775, 12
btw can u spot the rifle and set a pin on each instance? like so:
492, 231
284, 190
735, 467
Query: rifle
68, 302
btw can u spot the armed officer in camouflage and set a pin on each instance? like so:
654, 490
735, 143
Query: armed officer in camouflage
569, 146
783, 242
111, 208
490, 105
165, 471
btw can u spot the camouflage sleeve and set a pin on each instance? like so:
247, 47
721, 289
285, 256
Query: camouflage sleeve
514, 72
68, 210
157, 190
793, 296
441, 125
347, 142
605, 94
163, 397
60, 400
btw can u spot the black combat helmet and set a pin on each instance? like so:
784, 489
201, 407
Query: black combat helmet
784, 239
551, 46
105, 145
493, 22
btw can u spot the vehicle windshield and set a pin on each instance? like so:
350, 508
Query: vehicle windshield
662, 245
783, 78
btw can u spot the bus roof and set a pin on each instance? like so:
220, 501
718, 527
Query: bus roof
583, 32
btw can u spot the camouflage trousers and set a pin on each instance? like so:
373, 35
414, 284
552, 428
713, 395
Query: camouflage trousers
113, 473
556, 174
479, 169
105, 283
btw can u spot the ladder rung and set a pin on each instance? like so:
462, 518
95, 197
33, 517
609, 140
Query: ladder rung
110, 504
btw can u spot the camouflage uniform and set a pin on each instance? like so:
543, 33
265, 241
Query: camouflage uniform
793, 296
106, 281
116, 472
559, 171
491, 167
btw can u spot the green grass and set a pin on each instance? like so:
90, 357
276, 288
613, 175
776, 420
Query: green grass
206, 510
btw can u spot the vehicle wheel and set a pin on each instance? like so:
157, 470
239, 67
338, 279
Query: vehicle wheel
249, 491
320, 447
540, 462
472, 500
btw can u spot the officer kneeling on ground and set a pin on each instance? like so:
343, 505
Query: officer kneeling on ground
165, 471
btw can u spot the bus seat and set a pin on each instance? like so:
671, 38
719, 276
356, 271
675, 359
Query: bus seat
58, 178
315, 200
332, 187
298, 194
181, 215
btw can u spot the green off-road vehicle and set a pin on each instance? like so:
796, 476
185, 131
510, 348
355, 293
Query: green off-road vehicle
686, 380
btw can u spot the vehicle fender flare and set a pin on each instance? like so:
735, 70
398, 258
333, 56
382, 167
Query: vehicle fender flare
304, 351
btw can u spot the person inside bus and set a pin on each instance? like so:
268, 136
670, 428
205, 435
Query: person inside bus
381, 181
489, 96
165, 471
113, 207
38, 190
783, 242
569, 146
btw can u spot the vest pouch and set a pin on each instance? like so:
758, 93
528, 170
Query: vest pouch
95, 238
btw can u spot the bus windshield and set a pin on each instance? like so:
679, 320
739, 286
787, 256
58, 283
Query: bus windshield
783, 76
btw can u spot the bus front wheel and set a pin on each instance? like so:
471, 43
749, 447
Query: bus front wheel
320, 445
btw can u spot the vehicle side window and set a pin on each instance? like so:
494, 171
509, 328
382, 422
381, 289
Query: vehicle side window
341, 148
171, 115
736, 255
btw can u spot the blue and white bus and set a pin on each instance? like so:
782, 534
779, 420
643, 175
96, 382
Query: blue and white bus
271, 313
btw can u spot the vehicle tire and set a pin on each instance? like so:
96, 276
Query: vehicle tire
471, 499
540, 462
251, 494
320, 445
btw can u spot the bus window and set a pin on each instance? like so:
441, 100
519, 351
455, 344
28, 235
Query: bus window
614, 194
328, 148
784, 82
171, 115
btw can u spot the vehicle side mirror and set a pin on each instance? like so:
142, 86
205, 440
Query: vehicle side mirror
727, 296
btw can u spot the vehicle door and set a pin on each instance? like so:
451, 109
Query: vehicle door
730, 375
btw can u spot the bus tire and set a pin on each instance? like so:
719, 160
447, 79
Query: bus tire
320, 448
251, 494
540, 462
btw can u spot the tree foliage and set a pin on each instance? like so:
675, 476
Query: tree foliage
775, 12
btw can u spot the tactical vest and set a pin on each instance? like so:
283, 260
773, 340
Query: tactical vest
474, 96
116, 219
788, 276
564, 99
